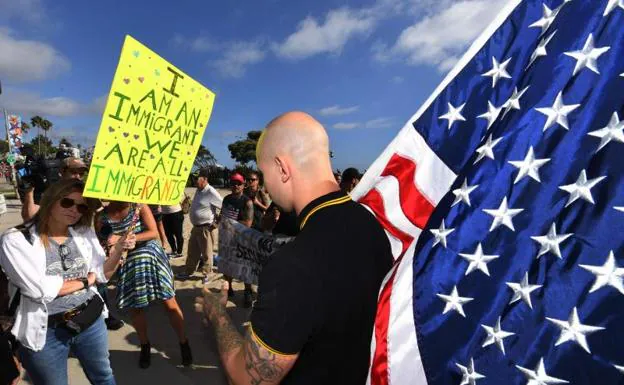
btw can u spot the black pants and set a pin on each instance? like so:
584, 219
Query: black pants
174, 224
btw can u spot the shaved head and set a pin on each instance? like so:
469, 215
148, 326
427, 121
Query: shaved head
293, 154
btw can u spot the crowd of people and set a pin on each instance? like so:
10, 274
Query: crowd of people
59, 261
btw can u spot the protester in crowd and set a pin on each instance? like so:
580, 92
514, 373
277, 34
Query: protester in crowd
173, 222
338, 177
239, 207
350, 178
145, 276
55, 260
158, 217
279, 222
317, 295
75, 169
259, 198
203, 217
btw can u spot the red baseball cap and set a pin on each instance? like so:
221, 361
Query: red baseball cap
237, 178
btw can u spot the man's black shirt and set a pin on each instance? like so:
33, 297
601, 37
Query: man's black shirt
317, 296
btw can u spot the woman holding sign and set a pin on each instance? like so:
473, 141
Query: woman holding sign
146, 275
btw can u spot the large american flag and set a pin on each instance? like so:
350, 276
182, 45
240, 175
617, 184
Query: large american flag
503, 198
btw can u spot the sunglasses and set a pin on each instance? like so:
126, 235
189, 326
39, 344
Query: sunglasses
237, 184
64, 253
68, 203
253, 179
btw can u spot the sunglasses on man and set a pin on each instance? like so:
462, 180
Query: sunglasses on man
68, 203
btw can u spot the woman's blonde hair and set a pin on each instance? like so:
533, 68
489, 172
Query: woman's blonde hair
50, 197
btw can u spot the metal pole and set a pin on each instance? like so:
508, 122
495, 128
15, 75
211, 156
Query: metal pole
6, 125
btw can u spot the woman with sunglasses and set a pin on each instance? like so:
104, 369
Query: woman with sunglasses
55, 260
145, 276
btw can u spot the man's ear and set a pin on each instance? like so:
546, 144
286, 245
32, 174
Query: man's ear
283, 169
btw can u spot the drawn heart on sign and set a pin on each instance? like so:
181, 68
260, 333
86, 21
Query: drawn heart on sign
135, 53
126, 80
111, 129
136, 136
152, 156
185, 169
125, 134
141, 78
157, 72
192, 89
188, 153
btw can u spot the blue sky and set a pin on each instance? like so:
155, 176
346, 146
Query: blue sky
361, 67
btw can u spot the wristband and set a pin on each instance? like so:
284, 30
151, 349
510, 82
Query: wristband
85, 283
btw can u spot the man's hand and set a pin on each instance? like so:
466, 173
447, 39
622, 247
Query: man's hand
210, 303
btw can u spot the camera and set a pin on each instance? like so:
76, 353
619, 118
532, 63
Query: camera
36, 173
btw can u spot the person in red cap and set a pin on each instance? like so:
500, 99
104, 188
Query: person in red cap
239, 207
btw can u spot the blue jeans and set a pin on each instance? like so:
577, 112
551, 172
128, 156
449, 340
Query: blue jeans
49, 365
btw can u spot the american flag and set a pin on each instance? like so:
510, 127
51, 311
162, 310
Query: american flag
503, 198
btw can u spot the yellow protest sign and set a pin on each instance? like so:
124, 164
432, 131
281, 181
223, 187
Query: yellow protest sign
151, 129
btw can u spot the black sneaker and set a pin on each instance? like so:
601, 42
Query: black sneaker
113, 323
187, 355
145, 359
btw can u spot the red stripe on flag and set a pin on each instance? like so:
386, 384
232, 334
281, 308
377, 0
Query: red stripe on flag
379, 363
415, 205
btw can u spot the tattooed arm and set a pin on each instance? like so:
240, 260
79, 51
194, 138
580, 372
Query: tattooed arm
246, 359
248, 214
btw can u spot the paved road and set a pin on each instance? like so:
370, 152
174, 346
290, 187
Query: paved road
166, 368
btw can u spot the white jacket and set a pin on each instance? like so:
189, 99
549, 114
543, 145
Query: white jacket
25, 266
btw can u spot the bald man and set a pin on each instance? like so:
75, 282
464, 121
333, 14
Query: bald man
317, 296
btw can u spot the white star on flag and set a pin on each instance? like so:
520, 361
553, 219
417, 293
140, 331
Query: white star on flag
587, 57
496, 335
609, 274
550, 242
539, 375
441, 234
529, 166
619, 208
574, 330
558, 113
620, 368
498, 71
454, 302
478, 260
503, 215
548, 17
462, 194
581, 188
614, 131
469, 375
491, 115
513, 103
453, 114
487, 150
612, 5
522, 291
540, 51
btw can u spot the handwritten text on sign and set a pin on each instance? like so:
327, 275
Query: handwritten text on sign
152, 127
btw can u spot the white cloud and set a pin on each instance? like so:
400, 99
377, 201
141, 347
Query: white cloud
346, 125
373, 123
379, 123
312, 38
32, 11
397, 80
28, 60
198, 44
27, 104
237, 56
438, 39
336, 110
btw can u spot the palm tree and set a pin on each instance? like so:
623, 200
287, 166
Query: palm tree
37, 121
25, 127
46, 126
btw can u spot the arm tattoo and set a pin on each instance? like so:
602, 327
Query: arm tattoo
261, 364
248, 211
228, 338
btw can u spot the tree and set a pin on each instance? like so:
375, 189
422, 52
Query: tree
41, 124
25, 127
44, 144
204, 158
244, 150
